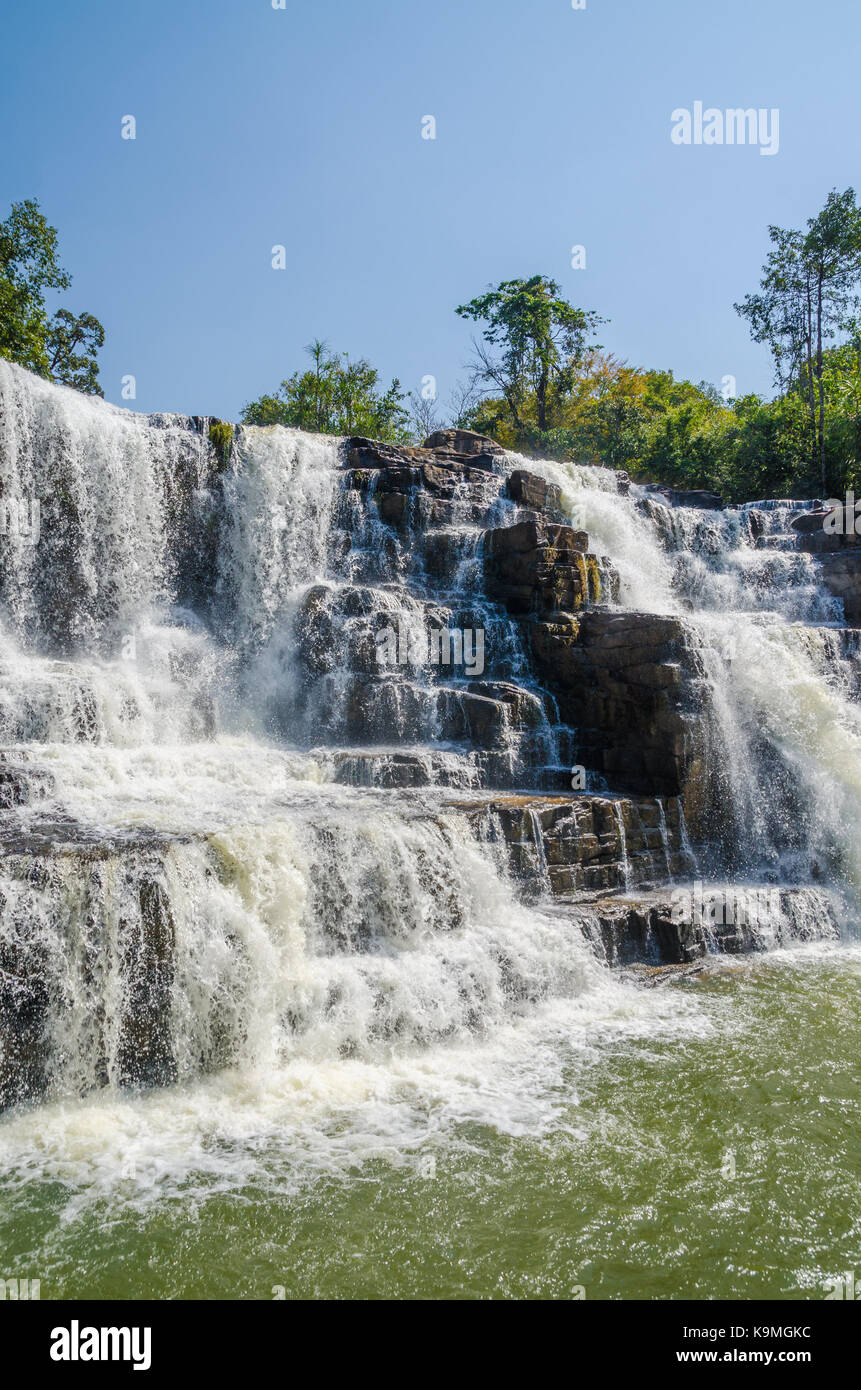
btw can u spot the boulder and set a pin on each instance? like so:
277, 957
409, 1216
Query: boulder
809, 521
456, 449
531, 491
374, 453
629, 683
680, 497
841, 575
416, 488
538, 567
463, 443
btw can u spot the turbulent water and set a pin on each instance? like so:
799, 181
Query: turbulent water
387, 1072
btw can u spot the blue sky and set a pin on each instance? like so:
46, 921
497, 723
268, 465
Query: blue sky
302, 126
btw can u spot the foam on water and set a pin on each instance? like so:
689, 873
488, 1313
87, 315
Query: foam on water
781, 691
322, 1117
351, 968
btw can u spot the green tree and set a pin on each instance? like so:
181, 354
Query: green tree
530, 346
72, 342
334, 396
808, 291
62, 347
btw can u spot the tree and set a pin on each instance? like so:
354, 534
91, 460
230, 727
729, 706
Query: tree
423, 412
530, 346
334, 396
605, 411
463, 399
72, 342
28, 268
808, 290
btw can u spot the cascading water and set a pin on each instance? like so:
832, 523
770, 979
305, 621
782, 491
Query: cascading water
185, 642
169, 704
270, 908
784, 723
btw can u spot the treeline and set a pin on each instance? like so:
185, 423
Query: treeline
61, 346
538, 380
685, 434
539, 383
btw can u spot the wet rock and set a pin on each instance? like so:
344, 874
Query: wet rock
541, 567
680, 497
630, 684
529, 490
807, 522
462, 443
416, 488
87, 951
477, 453
841, 575
23, 1011
22, 783
144, 1050
394, 508
585, 842
389, 769
373, 453
465, 716
658, 929
524, 707
623, 482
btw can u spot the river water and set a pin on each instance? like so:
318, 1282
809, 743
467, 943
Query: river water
389, 1075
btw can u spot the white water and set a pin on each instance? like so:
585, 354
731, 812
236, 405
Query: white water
335, 946
779, 686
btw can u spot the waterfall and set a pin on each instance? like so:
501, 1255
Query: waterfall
785, 737
234, 838
665, 840
623, 844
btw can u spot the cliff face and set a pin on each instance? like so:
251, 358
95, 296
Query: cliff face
331, 746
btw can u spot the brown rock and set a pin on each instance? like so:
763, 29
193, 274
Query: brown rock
463, 442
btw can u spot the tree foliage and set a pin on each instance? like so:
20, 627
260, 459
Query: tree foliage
63, 346
335, 395
530, 346
807, 295
545, 391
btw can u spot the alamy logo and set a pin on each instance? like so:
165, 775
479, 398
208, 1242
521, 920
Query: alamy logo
727, 907
76, 1343
843, 1287
21, 518
735, 126
22, 1290
438, 646
842, 519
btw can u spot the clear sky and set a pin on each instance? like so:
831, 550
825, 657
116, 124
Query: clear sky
302, 126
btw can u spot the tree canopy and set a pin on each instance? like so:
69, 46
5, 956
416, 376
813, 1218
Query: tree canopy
63, 346
809, 293
530, 346
543, 389
335, 395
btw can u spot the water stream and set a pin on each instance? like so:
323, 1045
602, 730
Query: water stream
301, 1027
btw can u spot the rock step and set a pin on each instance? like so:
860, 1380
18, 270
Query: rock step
693, 920
22, 783
391, 769
629, 683
841, 575
585, 841
536, 567
679, 497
